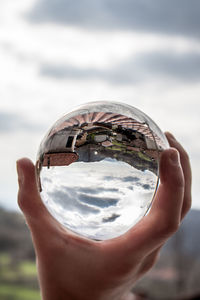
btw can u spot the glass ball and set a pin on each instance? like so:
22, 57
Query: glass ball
97, 168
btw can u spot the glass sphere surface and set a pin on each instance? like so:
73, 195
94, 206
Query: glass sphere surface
97, 168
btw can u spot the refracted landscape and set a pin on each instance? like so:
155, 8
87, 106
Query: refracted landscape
98, 172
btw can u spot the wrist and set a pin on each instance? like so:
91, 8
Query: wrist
62, 296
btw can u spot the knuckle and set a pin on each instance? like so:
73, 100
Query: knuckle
149, 263
147, 267
178, 181
186, 206
166, 228
173, 228
185, 156
21, 203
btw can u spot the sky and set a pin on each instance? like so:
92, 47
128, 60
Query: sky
99, 205
57, 54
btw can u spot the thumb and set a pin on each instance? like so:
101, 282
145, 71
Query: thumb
46, 231
29, 199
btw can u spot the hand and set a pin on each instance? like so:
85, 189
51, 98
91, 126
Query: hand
72, 268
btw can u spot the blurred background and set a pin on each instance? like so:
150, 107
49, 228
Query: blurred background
57, 54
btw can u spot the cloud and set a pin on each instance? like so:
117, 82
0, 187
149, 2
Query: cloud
146, 186
61, 71
82, 199
130, 179
97, 190
170, 17
98, 201
116, 75
179, 66
134, 181
69, 200
11, 122
112, 218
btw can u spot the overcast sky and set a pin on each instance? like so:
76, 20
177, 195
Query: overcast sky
56, 54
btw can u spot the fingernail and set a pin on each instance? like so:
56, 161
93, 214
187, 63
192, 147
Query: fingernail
170, 135
174, 158
20, 174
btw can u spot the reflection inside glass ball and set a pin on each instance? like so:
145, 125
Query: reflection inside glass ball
97, 168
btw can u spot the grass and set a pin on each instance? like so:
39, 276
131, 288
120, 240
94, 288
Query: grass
5, 259
28, 268
13, 292
143, 156
9, 270
18, 281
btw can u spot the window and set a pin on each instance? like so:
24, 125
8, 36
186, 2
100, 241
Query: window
69, 141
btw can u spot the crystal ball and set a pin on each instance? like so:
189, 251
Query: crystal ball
97, 168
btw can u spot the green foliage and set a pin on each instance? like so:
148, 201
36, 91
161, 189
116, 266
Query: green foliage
5, 259
18, 280
14, 236
28, 268
13, 292
144, 157
18, 276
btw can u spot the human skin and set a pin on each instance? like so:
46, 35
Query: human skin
71, 267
